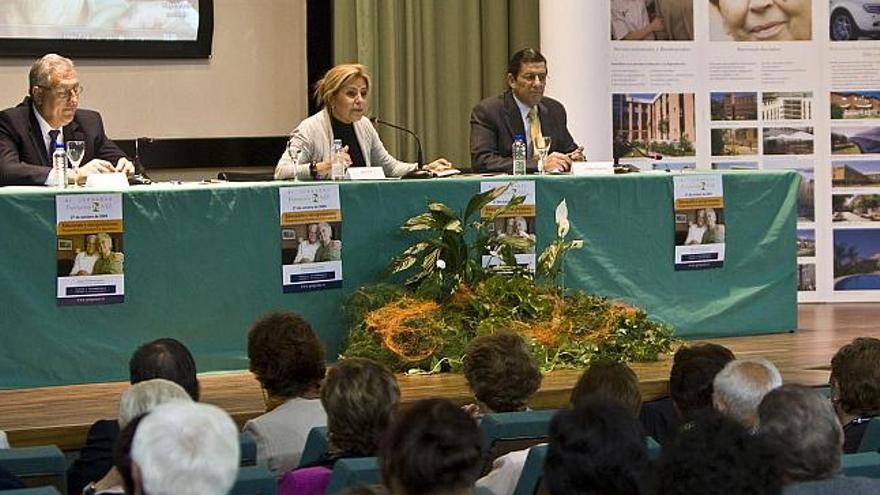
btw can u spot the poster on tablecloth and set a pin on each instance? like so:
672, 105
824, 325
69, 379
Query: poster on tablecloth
517, 222
89, 249
699, 221
311, 238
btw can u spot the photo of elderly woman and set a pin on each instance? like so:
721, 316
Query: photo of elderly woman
760, 20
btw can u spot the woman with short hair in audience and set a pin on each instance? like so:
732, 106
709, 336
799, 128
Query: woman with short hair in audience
360, 396
136, 401
287, 359
501, 372
433, 448
855, 388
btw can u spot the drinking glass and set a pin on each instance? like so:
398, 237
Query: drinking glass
542, 146
75, 152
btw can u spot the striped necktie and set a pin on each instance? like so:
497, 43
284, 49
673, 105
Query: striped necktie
53, 138
534, 129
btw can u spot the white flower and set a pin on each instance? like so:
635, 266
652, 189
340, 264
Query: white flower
441, 264
577, 244
562, 225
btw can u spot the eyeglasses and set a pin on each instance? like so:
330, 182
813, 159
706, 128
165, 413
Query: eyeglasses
66, 93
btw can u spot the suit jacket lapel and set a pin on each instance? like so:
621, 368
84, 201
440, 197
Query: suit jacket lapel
513, 117
36, 137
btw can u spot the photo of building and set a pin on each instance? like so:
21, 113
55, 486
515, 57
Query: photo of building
787, 106
788, 141
657, 123
855, 173
734, 106
734, 141
855, 105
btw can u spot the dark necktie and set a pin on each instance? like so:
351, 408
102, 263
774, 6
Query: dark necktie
53, 138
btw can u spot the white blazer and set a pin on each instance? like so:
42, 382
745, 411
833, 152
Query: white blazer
313, 138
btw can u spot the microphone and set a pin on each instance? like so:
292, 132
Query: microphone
622, 146
419, 157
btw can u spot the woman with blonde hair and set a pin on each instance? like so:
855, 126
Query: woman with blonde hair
343, 95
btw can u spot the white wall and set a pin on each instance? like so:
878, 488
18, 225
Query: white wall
254, 85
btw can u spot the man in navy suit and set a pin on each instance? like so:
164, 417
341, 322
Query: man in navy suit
49, 115
497, 119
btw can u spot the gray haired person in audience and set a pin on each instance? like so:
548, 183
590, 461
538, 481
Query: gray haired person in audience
185, 449
739, 387
808, 437
138, 399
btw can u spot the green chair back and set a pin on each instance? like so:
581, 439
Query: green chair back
315, 447
37, 466
866, 464
352, 472
533, 471
254, 480
871, 438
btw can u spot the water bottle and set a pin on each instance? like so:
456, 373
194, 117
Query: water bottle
337, 168
59, 166
519, 155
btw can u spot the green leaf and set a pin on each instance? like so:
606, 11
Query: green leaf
437, 207
513, 203
424, 221
480, 200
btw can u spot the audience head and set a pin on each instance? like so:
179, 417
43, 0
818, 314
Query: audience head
855, 379
285, 355
185, 448
596, 448
693, 370
359, 395
740, 386
803, 426
54, 87
501, 371
432, 448
605, 380
165, 358
716, 455
141, 397
527, 75
343, 91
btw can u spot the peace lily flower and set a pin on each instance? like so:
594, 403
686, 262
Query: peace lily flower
441, 264
562, 225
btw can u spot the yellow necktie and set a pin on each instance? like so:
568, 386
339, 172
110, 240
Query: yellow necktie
535, 130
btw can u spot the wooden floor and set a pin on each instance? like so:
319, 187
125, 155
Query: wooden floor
62, 415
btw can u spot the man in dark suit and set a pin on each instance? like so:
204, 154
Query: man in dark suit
523, 110
49, 115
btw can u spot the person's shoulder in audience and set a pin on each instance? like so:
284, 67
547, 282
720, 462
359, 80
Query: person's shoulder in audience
839, 485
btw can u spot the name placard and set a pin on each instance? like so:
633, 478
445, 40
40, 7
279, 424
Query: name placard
365, 173
592, 168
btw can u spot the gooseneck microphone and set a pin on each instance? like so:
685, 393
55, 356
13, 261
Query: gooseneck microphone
419, 157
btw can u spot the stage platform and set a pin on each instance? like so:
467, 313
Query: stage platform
62, 415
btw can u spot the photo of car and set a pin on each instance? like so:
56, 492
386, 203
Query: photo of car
854, 19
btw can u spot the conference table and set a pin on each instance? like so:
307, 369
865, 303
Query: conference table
203, 262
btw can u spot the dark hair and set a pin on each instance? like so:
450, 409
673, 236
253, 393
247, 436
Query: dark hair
432, 447
802, 425
524, 56
165, 358
596, 448
609, 380
359, 395
855, 373
122, 452
693, 371
716, 455
285, 354
501, 371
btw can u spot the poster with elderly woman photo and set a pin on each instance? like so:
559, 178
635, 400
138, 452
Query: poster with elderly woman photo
760, 20
89, 249
699, 221
514, 227
311, 238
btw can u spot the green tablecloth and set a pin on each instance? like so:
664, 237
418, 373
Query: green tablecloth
202, 262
